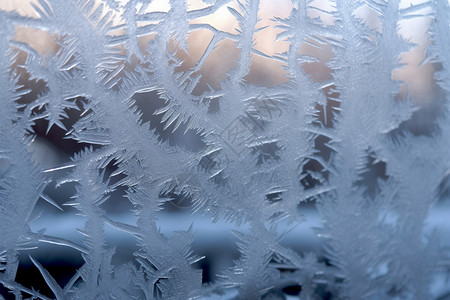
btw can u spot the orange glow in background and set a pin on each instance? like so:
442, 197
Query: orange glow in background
264, 71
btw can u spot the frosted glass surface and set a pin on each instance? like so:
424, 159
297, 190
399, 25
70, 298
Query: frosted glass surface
224, 149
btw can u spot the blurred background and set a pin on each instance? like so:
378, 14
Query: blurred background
51, 148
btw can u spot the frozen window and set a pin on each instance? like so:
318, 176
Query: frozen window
224, 149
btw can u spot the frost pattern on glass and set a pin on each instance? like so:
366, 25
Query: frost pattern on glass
117, 116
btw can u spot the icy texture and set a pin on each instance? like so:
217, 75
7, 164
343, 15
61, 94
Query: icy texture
221, 144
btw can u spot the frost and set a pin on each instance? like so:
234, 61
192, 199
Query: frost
183, 111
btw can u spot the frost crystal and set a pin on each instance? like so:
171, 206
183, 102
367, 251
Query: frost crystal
183, 149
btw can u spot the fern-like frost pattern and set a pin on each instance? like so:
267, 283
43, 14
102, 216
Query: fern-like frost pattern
120, 119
